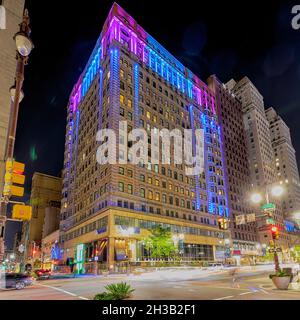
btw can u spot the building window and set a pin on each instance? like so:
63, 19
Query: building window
150, 195
121, 186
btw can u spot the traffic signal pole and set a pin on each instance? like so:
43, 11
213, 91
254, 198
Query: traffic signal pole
14, 109
276, 260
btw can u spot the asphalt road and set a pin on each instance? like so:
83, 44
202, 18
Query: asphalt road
186, 284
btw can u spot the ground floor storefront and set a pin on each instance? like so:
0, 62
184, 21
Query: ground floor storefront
115, 240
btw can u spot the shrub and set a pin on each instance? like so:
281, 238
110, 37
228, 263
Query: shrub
115, 291
103, 296
120, 290
279, 274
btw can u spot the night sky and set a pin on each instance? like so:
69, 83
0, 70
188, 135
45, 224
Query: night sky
253, 38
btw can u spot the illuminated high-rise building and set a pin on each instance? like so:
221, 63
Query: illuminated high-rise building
107, 210
286, 164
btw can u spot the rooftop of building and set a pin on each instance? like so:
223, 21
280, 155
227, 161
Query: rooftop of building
117, 12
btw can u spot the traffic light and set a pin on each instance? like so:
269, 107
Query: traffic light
14, 178
275, 233
22, 212
223, 223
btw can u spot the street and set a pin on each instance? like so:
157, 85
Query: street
251, 283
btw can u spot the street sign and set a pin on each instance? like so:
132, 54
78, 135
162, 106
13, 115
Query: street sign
250, 217
240, 219
270, 221
268, 206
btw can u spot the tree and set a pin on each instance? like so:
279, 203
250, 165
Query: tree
160, 243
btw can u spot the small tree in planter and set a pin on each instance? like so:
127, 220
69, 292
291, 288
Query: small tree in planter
281, 280
160, 244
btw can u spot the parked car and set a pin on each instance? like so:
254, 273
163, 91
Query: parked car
17, 280
42, 274
215, 265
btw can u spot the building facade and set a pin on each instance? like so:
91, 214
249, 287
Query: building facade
45, 197
261, 158
243, 233
13, 16
286, 163
107, 210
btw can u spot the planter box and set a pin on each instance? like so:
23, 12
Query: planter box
281, 283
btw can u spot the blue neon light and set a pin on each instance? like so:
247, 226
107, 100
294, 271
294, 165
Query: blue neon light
197, 191
136, 95
91, 71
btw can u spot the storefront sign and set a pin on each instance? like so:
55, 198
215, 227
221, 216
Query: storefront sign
127, 231
101, 230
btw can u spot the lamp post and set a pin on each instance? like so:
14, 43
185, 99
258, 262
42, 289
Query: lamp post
24, 46
276, 191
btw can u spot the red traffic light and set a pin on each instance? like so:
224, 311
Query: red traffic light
275, 233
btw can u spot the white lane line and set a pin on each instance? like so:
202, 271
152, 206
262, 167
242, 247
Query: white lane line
83, 298
58, 289
243, 293
264, 291
227, 297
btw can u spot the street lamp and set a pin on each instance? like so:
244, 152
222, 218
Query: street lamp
23, 42
256, 198
277, 191
12, 92
269, 208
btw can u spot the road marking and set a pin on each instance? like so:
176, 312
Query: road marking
61, 290
83, 298
243, 293
264, 291
227, 297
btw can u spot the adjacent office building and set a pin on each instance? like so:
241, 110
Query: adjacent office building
261, 155
286, 164
107, 210
12, 16
229, 109
45, 200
